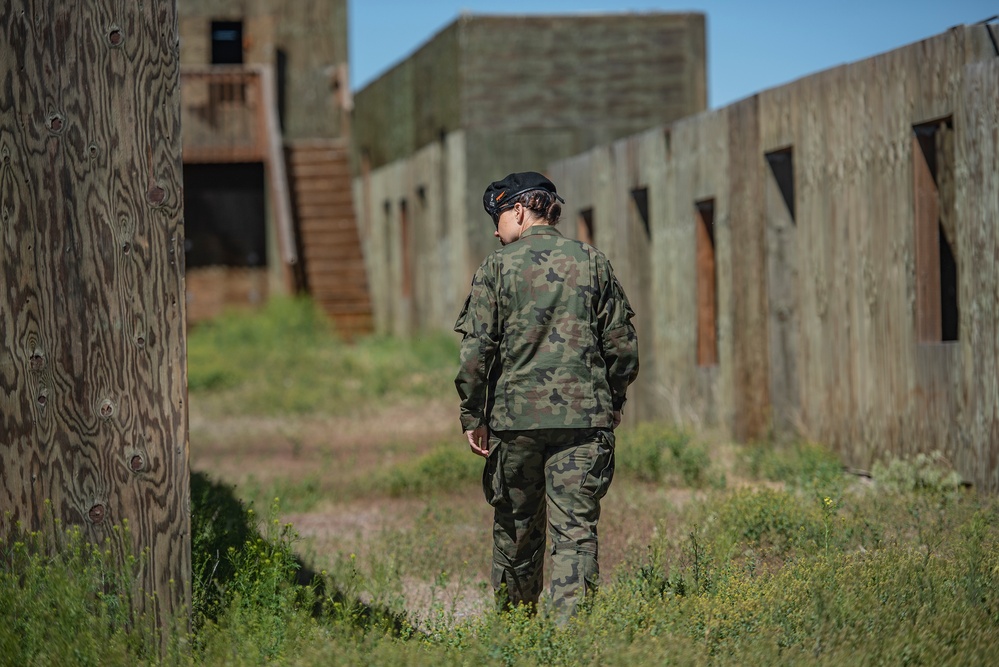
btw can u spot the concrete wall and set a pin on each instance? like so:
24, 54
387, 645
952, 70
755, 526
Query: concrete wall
496, 95
308, 40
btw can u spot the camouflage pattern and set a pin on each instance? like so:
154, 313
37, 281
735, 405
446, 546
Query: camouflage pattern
547, 337
547, 353
561, 473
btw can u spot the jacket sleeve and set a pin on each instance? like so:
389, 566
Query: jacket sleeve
478, 324
618, 340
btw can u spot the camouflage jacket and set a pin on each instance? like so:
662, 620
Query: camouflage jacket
547, 337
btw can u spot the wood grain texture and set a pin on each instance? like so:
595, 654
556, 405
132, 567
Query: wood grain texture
92, 349
817, 314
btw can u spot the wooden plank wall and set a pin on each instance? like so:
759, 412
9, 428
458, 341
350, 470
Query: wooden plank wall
978, 209
92, 345
816, 311
456, 108
432, 184
816, 316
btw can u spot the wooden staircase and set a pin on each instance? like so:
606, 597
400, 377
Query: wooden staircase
329, 243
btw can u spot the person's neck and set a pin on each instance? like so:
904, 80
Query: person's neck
535, 222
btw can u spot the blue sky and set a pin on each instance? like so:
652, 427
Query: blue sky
752, 45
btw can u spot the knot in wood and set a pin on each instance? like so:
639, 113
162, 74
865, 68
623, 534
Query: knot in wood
107, 408
140, 341
96, 513
115, 38
42, 400
126, 247
137, 463
156, 195
37, 362
55, 123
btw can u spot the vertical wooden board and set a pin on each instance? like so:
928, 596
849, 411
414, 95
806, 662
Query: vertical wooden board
857, 176
92, 351
654, 159
840, 278
778, 113
750, 389
648, 157
811, 211
696, 172
633, 272
885, 276
977, 213
455, 185
713, 178
424, 196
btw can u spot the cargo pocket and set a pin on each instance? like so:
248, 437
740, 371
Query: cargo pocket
492, 474
600, 472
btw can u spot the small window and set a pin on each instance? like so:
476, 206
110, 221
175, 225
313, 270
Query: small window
937, 307
782, 167
407, 249
640, 204
584, 226
227, 42
707, 285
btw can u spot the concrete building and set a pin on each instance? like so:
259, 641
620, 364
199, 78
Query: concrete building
486, 96
265, 111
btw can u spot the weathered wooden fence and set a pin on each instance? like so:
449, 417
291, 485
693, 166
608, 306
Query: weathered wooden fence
92, 348
820, 258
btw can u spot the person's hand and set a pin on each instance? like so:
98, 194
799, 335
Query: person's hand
617, 418
478, 440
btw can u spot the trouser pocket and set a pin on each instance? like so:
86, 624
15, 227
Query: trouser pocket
492, 474
600, 471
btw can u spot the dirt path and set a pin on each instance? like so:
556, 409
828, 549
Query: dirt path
432, 550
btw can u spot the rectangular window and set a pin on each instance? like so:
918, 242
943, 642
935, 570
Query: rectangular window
227, 49
407, 249
782, 166
937, 313
707, 285
640, 205
227, 42
584, 226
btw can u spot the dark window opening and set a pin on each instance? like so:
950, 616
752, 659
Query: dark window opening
707, 285
584, 226
937, 304
227, 42
407, 249
640, 197
281, 67
227, 49
782, 166
948, 290
224, 215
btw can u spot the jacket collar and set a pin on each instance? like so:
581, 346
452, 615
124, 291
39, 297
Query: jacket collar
540, 229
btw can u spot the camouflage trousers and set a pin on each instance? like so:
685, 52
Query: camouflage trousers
553, 476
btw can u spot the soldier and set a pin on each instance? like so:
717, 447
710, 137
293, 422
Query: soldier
547, 354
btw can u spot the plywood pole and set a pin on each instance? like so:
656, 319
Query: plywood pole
92, 346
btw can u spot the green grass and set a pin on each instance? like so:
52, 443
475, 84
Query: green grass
796, 563
286, 359
882, 575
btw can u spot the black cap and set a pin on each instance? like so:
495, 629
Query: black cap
500, 193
